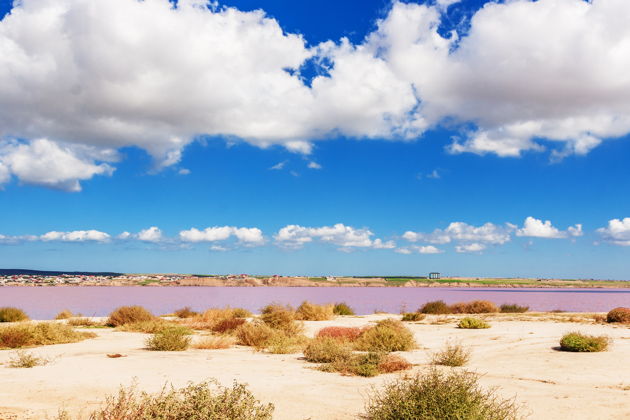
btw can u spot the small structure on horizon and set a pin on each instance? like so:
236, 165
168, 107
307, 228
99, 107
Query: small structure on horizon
434, 276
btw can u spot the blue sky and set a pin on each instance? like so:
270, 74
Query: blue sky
346, 195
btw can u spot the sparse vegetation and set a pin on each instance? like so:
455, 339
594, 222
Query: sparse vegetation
326, 350
152, 326
128, 315
469, 323
280, 343
254, 334
84, 322
310, 312
10, 314
40, 334
281, 318
438, 307
413, 316
24, 359
386, 336
620, 314
169, 339
206, 400
474, 307
342, 308
512, 308
438, 396
210, 342
185, 312
578, 342
341, 333
451, 355
65, 314
227, 326
367, 364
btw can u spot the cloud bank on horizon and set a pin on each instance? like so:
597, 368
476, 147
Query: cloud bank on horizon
80, 79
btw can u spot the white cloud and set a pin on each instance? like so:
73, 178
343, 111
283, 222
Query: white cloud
152, 234
295, 236
278, 166
617, 232
537, 228
75, 236
463, 232
314, 165
184, 171
247, 236
428, 249
470, 248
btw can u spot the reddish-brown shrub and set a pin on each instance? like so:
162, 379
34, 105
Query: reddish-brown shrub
341, 333
393, 363
619, 315
129, 314
228, 325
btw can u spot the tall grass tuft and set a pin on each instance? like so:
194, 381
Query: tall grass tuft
10, 314
128, 315
437, 307
169, 339
342, 308
578, 342
386, 336
310, 312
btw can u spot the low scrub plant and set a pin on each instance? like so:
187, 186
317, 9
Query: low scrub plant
169, 339
280, 343
578, 342
210, 342
452, 354
308, 311
40, 334
512, 308
438, 395
128, 315
281, 318
437, 307
393, 363
10, 314
153, 326
342, 308
206, 400
413, 316
474, 307
227, 326
386, 336
326, 350
65, 314
469, 323
24, 359
254, 334
185, 312
341, 333
620, 314
209, 319
367, 364
84, 322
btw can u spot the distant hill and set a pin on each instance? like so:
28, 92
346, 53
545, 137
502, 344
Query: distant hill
19, 271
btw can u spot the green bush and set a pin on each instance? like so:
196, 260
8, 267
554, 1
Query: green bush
578, 342
472, 324
438, 307
619, 315
128, 315
413, 316
8, 314
169, 339
513, 308
204, 401
438, 396
386, 336
310, 312
39, 334
326, 350
342, 308
451, 355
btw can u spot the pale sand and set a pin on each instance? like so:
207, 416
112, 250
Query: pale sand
517, 356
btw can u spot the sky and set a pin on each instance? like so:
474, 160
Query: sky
363, 137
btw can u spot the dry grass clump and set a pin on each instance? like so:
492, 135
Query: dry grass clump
413, 316
326, 350
206, 400
227, 326
578, 342
10, 314
342, 308
513, 308
254, 334
310, 312
24, 359
84, 322
619, 315
210, 342
437, 307
451, 355
474, 307
211, 318
169, 339
280, 343
185, 312
281, 318
128, 315
438, 395
152, 326
40, 334
472, 324
386, 336
341, 333
65, 314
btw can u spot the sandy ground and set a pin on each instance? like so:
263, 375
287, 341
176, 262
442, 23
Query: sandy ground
516, 355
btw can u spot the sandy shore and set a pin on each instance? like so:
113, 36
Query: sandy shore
516, 354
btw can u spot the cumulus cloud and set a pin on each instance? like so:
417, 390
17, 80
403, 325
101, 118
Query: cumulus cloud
537, 228
152, 234
617, 231
427, 249
346, 237
75, 236
314, 165
247, 236
470, 248
463, 232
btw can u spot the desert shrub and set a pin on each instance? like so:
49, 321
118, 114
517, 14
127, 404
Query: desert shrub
281, 318
65, 314
153, 326
254, 334
358, 364
341, 333
310, 312
578, 342
393, 363
619, 315
512, 308
169, 339
474, 307
280, 343
451, 355
472, 324
83, 322
40, 334
413, 316
23, 359
342, 308
387, 335
9, 314
438, 396
206, 400
213, 342
438, 307
127, 315
185, 312
228, 325
326, 350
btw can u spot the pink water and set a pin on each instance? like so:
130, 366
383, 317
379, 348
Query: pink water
46, 302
